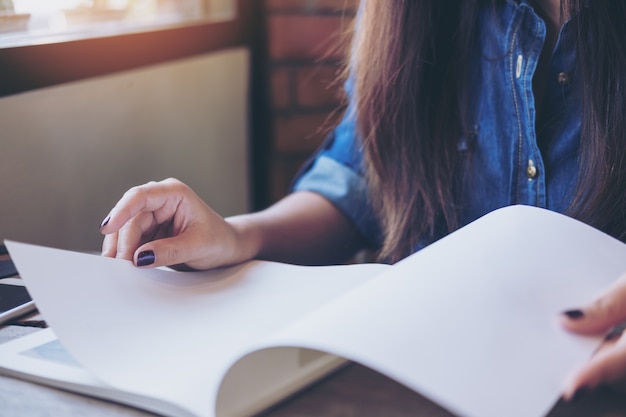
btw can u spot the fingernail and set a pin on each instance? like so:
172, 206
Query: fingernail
580, 392
105, 222
613, 334
574, 314
145, 258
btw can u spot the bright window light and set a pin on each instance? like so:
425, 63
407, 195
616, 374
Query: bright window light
39, 21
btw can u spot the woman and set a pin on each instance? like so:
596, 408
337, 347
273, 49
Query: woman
456, 108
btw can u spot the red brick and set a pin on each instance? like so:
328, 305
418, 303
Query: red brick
281, 88
318, 86
307, 37
301, 133
312, 6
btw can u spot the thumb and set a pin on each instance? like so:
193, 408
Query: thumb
163, 252
601, 315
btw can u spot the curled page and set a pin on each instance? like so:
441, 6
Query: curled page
470, 321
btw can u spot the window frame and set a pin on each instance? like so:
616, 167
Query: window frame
30, 67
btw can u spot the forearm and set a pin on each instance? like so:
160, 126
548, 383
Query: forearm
302, 228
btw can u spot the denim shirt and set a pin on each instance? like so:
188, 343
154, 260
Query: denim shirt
511, 159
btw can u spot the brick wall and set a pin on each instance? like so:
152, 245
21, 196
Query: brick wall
306, 47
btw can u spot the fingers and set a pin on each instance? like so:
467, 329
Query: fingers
140, 215
161, 199
608, 365
135, 232
123, 243
165, 252
109, 245
165, 224
602, 314
189, 250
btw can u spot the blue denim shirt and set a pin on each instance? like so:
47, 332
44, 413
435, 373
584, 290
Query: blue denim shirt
513, 159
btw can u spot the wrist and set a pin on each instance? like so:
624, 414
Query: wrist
247, 235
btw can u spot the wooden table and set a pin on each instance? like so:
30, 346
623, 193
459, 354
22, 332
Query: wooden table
352, 391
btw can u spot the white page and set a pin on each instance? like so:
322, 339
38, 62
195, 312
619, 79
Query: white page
170, 334
471, 321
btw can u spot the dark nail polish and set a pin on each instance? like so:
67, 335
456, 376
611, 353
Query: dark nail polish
145, 258
580, 392
105, 222
614, 334
574, 314
610, 336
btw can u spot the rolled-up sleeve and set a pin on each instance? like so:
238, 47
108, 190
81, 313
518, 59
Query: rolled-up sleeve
336, 173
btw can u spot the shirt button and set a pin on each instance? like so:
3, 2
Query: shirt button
563, 78
531, 170
518, 66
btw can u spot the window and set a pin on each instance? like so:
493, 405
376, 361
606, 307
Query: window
24, 22
31, 59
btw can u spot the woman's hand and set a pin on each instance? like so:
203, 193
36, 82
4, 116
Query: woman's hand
608, 364
166, 223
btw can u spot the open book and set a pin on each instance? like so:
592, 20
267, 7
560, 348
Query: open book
470, 321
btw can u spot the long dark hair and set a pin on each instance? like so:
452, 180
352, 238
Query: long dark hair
600, 44
410, 59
